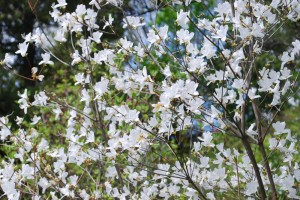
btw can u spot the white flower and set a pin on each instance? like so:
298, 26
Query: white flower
251, 132
167, 72
208, 50
27, 171
184, 36
80, 10
163, 32
182, 19
275, 3
90, 137
73, 180
40, 77
133, 22
95, 3
204, 162
4, 131
285, 73
76, 58
57, 112
40, 99
174, 190
84, 195
35, 120
287, 58
223, 9
8, 59
46, 59
251, 94
153, 38
102, 56
60, 36
34, 70
101, 87
43, 145
206, 139
23, 101
44, 183
79, 78
280, 128
109, 22
251, 187
211, 196
163, 169
257, 30
273, 143
85, 95
221, 33
197, 63
19, 120
125, 45
296, 49
9, 189
22, 49
27, 38
97, 36
139, 50
61, 3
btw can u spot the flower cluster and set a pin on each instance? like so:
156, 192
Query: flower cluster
183, 109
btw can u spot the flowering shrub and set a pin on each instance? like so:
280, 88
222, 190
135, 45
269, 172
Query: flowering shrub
182, 110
